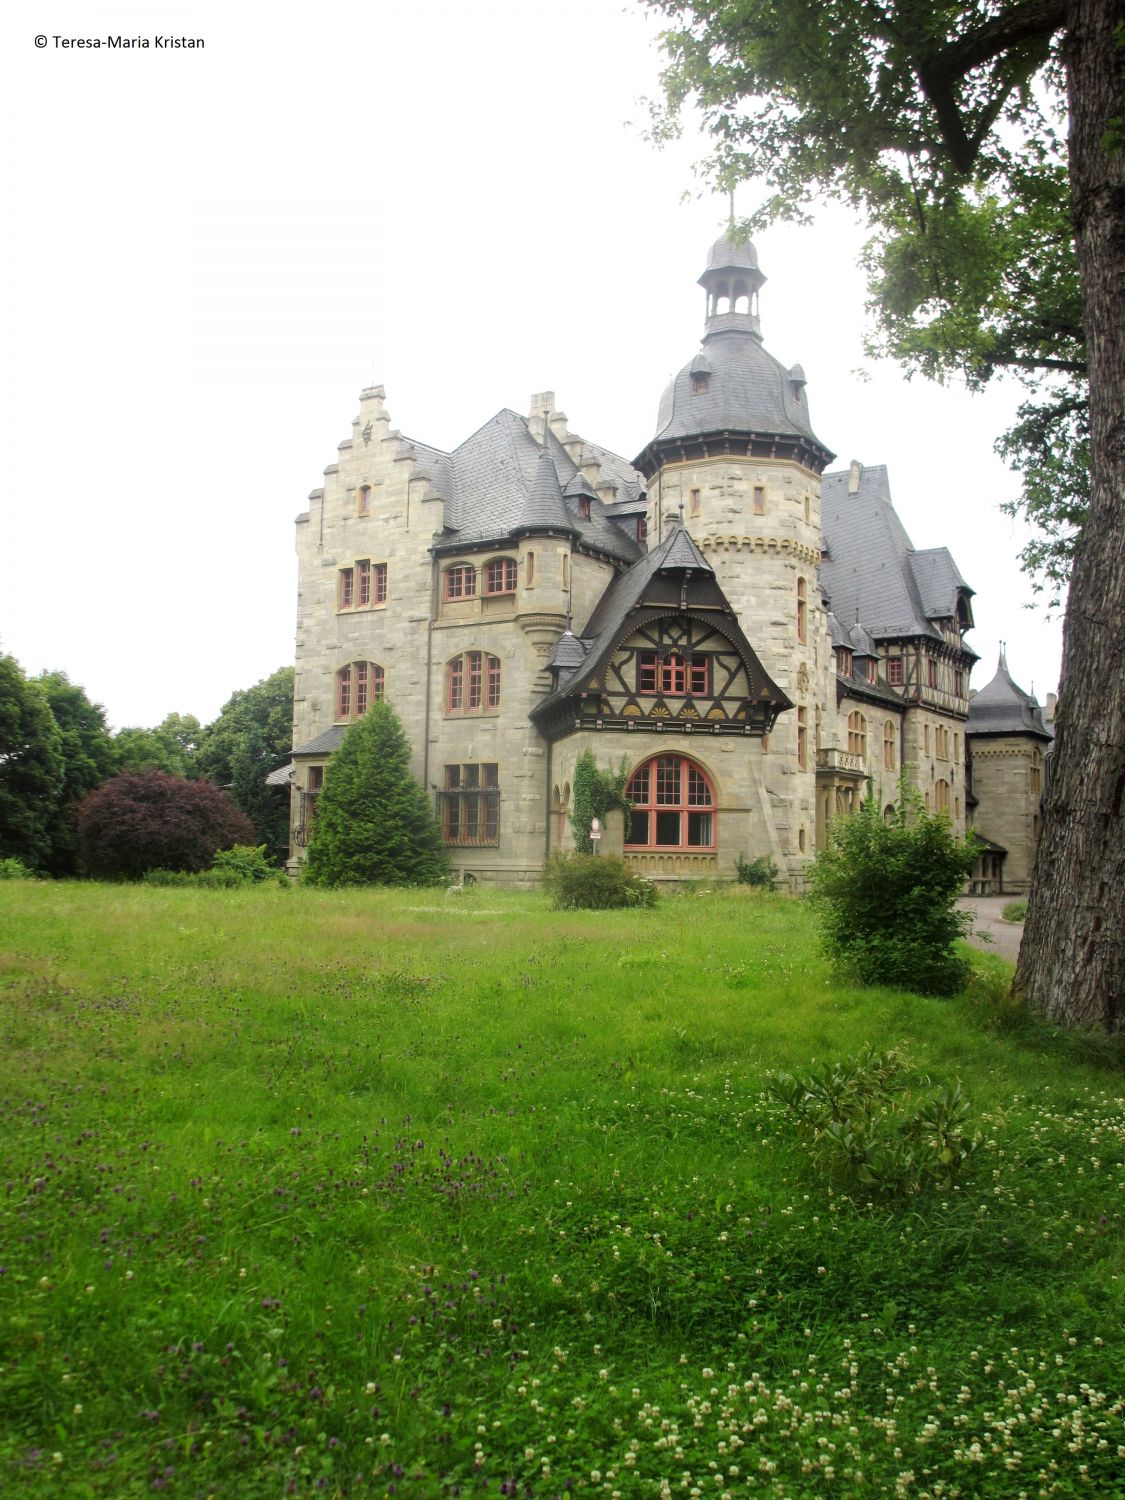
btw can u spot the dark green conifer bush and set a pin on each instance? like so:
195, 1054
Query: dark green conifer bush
887, 892
374, 823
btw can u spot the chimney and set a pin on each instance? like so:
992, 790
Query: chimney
854, 473
1052, 704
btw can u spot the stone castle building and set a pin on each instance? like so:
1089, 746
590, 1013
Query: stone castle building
755, 638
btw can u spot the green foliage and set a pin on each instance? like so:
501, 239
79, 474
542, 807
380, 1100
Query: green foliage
946, 131
135, 823
88, 760
250, 738
32, 770
866, 1134
15, 869
207, 880
1015, 911
374, 823
170, 747
249, 862
887, 892
595, 793
594, 882
760, 872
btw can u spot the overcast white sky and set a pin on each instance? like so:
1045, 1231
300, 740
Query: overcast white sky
209, 254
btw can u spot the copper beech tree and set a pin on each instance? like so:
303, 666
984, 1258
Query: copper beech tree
998, 243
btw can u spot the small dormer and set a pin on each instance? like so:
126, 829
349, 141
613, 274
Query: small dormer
580, 493
700, 374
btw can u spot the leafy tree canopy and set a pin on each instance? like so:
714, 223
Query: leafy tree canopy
374, 823
170, 747
31, 767
88, 759
153, 821
251, 737
942, 123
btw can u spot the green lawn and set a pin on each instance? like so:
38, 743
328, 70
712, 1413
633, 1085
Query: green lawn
403, 1193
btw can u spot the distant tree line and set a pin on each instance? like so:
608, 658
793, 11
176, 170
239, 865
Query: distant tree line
56, 750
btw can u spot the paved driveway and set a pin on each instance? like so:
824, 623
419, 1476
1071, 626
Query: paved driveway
987, 919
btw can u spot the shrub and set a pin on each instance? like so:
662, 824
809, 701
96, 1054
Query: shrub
248, 862
594, 882
15, 869
864, 1132
136, 823
887, 892
760, 872
208, 880
1015, 911
374, 823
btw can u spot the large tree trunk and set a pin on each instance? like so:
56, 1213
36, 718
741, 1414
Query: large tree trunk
1072, 963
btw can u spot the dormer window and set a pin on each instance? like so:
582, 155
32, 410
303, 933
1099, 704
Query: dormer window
584, 507
700, 382
872, 669
642, 528
844, 664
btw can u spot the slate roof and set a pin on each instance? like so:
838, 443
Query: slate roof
282, 776
872, 572
726, 254
325, 743
493, 485
748, 391
1002, 707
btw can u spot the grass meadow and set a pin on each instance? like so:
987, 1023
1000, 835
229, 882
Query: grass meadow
399, 1193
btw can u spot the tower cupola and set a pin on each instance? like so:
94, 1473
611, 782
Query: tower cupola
732, 282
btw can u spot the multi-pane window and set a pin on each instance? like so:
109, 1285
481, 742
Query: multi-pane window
362, 585
941, 796
672, 805
873, 669
358, 685
803, 738
470, 805
642, 528
894, 671
857, 734
802, 611
674, 674
500, 576
460, 581
472, 683
890, 746
844, 664
1035, 778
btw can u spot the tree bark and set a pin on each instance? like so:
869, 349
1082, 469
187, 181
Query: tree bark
1072, 962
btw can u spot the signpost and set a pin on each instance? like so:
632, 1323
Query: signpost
595, 832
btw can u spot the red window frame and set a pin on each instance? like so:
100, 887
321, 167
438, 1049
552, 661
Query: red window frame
894, 671
346, 594
673, 804
500, 576
358, 686
461, 581
379, 580
472, 683
674, 675
642, 528
470, 805
959, 683
872, 669
363, 583
845, 662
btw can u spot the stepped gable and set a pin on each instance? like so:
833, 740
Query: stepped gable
1002, 707
872, 572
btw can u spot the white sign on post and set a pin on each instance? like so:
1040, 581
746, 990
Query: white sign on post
595, 832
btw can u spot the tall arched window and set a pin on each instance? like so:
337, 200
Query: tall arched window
472, 683
358, 685
673, 805
941, 796
857, 734
802, 611
890, 746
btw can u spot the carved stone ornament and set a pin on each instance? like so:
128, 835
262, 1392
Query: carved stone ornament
366, 434
802, 678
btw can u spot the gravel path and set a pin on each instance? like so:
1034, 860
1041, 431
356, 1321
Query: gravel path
987, 920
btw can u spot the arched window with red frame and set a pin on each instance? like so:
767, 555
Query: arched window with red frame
472, 683
461, 581
358, 685
500, 576
673, 805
